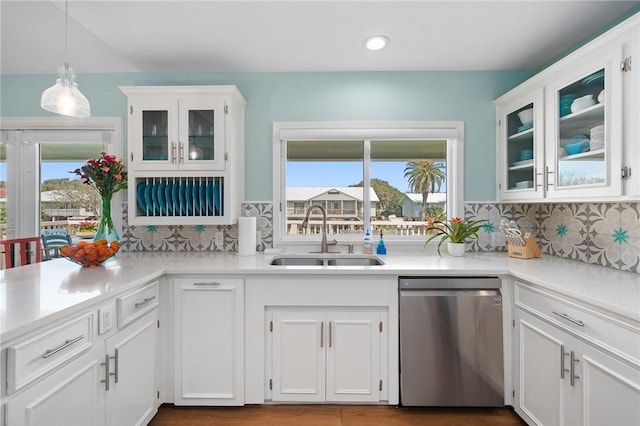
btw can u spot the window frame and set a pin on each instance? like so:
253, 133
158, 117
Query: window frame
451, 131
23, 212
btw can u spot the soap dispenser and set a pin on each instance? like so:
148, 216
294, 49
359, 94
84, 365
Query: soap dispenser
366, 243
381, 249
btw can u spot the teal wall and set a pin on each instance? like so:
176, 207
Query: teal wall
340, 96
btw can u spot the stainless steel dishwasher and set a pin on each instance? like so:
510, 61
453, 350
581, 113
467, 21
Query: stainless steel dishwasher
451, 341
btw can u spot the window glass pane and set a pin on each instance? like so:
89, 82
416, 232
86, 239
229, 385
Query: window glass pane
65, 201
402, 173
329, 174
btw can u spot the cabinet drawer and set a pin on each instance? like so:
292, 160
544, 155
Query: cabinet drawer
137, 303
35, 357
618, 337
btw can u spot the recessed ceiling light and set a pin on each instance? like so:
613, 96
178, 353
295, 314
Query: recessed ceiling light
376, 42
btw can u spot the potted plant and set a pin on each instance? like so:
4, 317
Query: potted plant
86, 229
456, 232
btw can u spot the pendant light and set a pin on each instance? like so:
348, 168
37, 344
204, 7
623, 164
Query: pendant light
64, 97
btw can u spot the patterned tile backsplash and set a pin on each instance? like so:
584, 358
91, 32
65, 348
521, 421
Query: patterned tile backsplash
606, 234
196, 237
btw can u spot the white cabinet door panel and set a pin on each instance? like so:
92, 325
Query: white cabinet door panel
353, 356
610, 391
131, 395
298, 356
209, 345
540, 386
72, 396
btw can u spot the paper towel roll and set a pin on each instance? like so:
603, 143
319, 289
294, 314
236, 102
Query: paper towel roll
247, 236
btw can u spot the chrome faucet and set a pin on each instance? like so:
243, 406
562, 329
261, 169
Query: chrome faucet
305, 222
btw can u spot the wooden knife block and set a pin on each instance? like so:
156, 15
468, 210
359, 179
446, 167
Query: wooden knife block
527, 251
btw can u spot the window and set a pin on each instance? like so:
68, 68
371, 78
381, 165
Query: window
37, 155
365, 176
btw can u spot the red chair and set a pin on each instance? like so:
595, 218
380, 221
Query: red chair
21, 249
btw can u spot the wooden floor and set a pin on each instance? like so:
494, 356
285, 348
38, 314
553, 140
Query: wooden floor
333, 415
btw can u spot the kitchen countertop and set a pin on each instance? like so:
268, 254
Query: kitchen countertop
35, 295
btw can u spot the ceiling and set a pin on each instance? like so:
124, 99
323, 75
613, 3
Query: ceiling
303, 35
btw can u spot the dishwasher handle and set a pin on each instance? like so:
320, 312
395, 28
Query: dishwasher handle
449, 293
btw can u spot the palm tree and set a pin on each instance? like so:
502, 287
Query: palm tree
424, 177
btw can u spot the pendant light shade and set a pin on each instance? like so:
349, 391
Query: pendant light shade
64, 97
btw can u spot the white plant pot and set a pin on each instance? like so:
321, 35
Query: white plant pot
456, 249
85, 234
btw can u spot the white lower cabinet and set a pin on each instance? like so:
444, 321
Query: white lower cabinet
114, 383
561, 380
209, 341
131, 354
326, 355
71, 396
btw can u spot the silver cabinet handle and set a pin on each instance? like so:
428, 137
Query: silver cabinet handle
173, 152
207, 284
562, 355
65, 345
106, 373
144, 302
322, 334
574, 376
329, 333
181, 152
568, 318
115, 364
547, 173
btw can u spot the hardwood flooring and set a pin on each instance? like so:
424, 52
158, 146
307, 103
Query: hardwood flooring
333, 415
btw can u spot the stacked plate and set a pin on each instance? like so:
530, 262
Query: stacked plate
597, 137
180, 197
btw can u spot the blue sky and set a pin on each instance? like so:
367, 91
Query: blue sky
346, 173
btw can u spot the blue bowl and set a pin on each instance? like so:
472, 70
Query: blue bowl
576, 147
526, 154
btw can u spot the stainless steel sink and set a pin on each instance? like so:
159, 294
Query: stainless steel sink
296, 261
326, 259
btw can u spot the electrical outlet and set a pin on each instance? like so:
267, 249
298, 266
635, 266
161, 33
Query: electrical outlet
218, 239
105, 319
497, 239
258, 238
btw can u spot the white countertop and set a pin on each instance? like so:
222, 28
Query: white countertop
34, 295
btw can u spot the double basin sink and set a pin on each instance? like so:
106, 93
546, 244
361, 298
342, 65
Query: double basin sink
326, 259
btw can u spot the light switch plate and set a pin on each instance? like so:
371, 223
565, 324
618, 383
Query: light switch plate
218, 239
105, 319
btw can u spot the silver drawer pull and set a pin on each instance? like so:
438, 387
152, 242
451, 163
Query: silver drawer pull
144, 302
66, 344
208, 283
568, 318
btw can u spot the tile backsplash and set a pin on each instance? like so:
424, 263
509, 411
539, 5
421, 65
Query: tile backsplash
606, 234
195, 237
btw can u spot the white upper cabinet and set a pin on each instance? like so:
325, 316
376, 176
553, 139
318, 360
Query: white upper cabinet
582, 142
185, 153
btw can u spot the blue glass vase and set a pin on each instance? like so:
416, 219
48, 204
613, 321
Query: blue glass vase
106, 230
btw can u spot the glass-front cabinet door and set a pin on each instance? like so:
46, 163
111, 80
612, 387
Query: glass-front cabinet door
151, 134
521, 147
584, 139
201, 134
